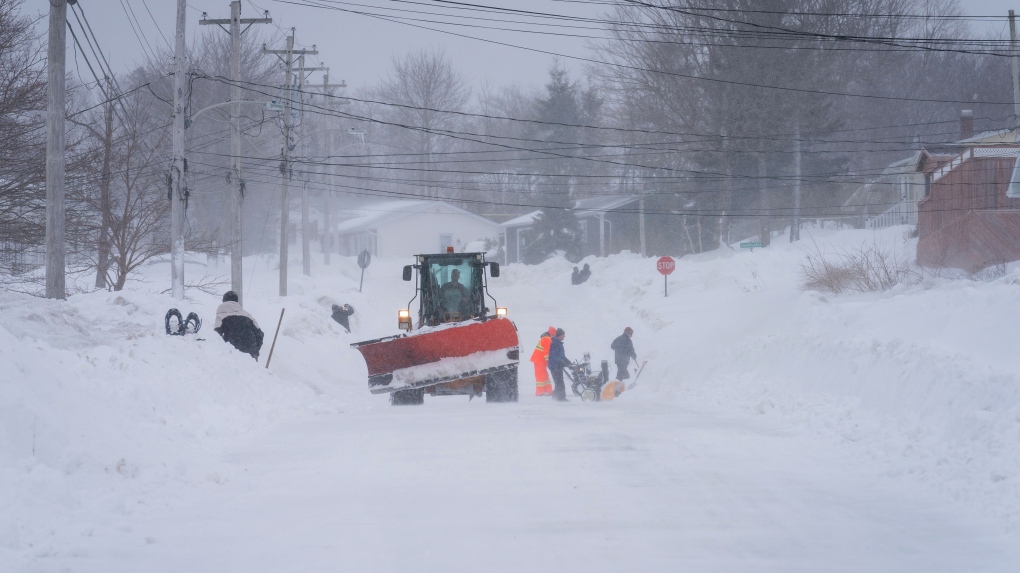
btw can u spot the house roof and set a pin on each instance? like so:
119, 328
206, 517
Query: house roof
603, 203
371, 216
582, 208
990, 138
522, 221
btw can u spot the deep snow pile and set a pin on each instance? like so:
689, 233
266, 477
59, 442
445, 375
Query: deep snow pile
101, 412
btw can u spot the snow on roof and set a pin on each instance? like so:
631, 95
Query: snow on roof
522, 221
603, 203
371, 216
587, 206
991, 137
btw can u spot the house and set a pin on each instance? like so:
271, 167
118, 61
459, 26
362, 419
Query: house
609, 224
514, 236
891, 199
970, 218
410, 227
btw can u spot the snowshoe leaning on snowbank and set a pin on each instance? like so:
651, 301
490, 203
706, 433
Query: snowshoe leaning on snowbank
177, 326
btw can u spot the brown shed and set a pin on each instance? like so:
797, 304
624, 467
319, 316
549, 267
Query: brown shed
966, 220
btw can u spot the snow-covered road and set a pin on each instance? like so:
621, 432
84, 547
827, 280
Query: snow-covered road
774, 430
539, 486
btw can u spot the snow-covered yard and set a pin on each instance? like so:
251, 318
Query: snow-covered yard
773, 430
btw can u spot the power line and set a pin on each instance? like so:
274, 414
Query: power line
131, 22
771, 137
155, 23
308, 3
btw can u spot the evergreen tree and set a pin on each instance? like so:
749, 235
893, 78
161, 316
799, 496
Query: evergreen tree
556, 230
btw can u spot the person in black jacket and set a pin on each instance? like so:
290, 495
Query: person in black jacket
238, 327
557, 362
341, 314
624, 350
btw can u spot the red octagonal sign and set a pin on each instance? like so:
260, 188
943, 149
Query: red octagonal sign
666, 265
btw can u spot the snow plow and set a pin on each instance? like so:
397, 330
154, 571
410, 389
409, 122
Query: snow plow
458, 347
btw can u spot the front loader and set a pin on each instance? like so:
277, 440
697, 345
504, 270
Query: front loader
460, 346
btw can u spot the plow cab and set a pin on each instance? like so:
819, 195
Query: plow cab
459, 342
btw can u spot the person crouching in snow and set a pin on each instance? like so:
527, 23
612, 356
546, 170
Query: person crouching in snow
341, 314
238, 327
624, 351
540, 357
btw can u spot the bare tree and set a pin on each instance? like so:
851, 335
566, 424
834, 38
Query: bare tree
22, 143
743, 87
423, 85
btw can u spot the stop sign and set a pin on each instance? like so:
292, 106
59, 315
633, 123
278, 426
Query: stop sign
666, 265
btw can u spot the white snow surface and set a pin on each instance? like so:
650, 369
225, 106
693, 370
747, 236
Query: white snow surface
451, 366
773, 430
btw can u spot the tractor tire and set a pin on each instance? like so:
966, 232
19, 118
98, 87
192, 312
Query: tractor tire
501, 386
407, 397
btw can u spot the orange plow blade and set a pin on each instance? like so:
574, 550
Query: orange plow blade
440, 354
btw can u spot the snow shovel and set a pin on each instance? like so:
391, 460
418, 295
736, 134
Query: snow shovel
634, 383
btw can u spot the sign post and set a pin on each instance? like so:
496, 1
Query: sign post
364, 259
665, 266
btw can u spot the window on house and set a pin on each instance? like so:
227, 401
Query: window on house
584, 230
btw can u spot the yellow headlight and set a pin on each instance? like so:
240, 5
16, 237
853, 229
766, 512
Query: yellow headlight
404, 319
500, 311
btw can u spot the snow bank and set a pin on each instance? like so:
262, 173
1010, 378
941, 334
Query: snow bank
101, 413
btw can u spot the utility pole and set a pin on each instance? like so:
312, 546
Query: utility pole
327, 149
306, 256
103, 260
178, 192
795, 224
1016, 75
285, 167
306, 263
55, 138
641, 224
236, 198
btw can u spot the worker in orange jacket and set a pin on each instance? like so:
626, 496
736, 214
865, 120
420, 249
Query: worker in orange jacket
540, 357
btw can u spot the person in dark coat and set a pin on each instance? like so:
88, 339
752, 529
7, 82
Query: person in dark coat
341, 314
238, 327
455, 296
575, 277
557, 362
584, 275
624, 349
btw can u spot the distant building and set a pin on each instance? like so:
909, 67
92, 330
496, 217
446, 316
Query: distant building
970, 215
405, 228
891, 199
609, 224
969, 220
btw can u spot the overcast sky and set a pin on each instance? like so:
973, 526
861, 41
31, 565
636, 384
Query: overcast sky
359, 47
